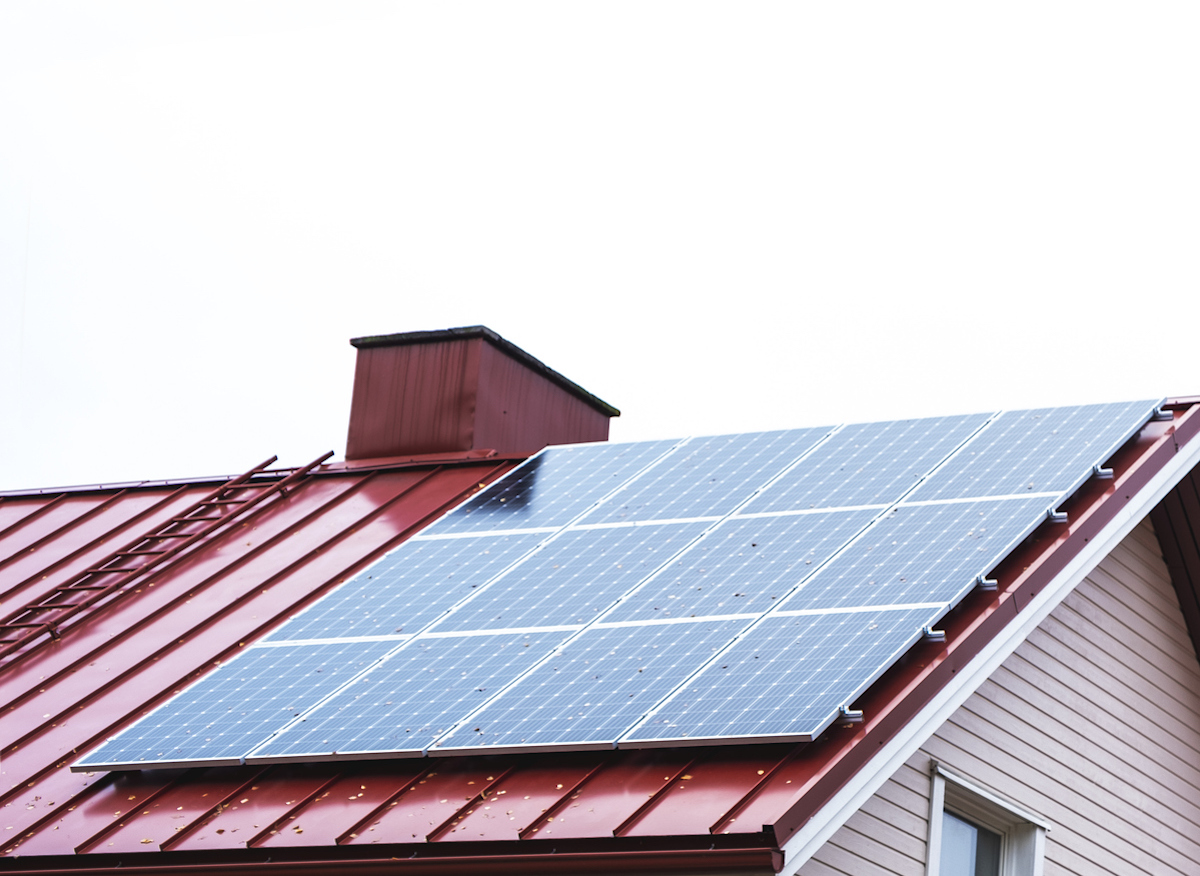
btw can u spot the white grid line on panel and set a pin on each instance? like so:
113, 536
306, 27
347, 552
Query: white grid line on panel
499, 631
418, 635
451, 536
629, 524
756, 515
467, 718
772, 611
967, 499
279, 643
665, 621
857, 609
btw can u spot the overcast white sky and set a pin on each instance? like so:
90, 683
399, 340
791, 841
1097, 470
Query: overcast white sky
718, 217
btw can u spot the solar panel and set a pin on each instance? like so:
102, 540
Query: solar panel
708, 477
552, 488
409, 587
922, 553
741, 586
572, 578
595, 688
786, 679
411, 698
745, 565
867, 464
237, 706
1049, 450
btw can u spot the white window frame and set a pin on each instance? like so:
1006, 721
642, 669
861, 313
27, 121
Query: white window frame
1022, 833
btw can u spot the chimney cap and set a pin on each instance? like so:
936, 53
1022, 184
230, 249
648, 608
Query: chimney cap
469, 332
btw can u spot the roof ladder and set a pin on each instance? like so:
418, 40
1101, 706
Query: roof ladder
113, 575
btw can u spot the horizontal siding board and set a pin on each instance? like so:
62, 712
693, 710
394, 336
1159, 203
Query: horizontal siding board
1092, 645
1094, 722
1153, 599
1073, 724
867, 832
1087, 767
1099, 811
903, 804
816, 866
897, 817
1106, 851
1065, 861
1174, 729
1139, 635
840, 858
1110, 736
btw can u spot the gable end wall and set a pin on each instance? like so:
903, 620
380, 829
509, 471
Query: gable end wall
1093, 722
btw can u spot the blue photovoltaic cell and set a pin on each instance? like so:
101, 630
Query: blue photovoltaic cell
921, 553
577, 535
408, 588
1051, 450
411, 698
596, 687
867, 464
238, 705
787, 677
552, 488
745, 565
572, 578
707, 477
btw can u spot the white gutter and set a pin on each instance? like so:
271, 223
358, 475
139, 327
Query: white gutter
806, 841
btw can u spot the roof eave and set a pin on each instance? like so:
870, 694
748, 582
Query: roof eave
699, 859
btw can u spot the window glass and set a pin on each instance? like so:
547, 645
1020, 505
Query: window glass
968, 849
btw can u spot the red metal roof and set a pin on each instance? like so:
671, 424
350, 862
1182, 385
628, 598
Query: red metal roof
703, 808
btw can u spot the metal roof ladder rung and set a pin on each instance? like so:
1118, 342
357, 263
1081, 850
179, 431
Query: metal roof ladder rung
18, 630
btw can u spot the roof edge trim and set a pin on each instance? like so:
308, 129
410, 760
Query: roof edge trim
809, 838
553, 863
469, 332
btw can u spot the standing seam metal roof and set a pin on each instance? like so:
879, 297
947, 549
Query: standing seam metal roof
711, 806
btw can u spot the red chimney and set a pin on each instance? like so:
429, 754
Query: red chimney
463, 389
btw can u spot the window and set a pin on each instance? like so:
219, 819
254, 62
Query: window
968, 848
975, 832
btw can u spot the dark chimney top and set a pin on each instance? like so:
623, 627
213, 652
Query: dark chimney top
463, 389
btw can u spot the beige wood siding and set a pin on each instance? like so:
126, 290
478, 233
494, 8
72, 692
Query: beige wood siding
1094, 722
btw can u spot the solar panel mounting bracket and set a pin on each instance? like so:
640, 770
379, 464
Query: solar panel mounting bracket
932, 635
847, 715
1056, 516
985, 583
1102, 473
1161, 414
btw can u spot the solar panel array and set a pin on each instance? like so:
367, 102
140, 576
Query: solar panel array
740, 587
